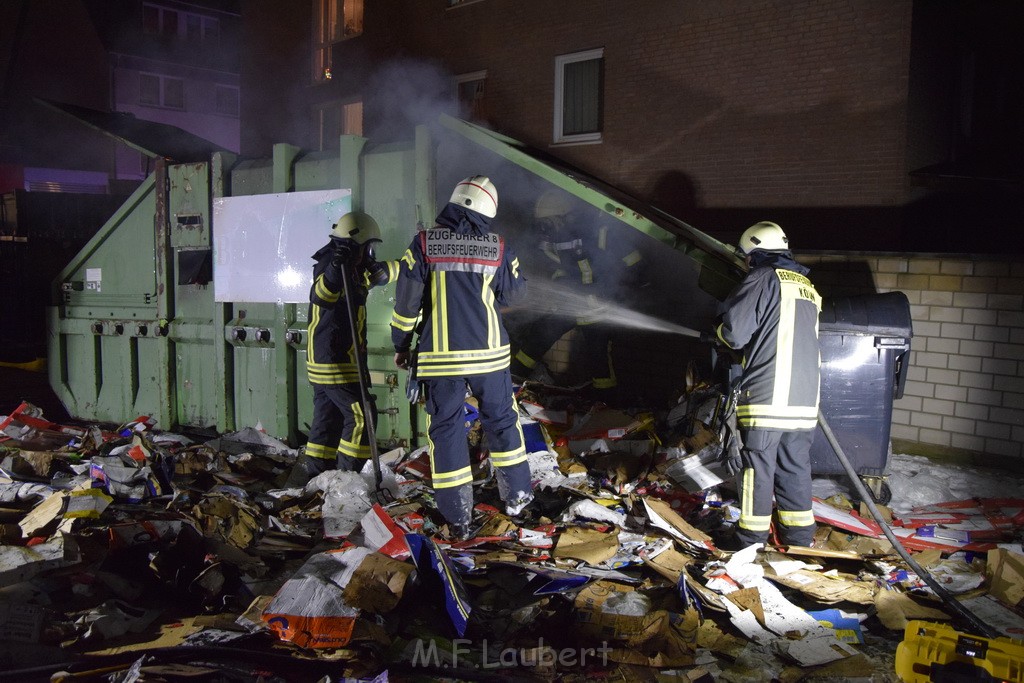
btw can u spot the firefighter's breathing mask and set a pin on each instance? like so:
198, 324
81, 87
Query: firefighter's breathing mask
551, 226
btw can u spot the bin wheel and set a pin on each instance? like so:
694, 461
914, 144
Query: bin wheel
880, 491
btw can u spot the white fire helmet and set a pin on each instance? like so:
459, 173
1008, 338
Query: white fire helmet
765, 235
477, 193
356, 226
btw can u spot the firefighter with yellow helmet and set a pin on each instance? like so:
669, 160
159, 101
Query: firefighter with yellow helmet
582, 255
338, 437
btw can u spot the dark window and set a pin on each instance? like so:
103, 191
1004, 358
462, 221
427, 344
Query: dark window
174, 93
150, 19
579, 96
149, 89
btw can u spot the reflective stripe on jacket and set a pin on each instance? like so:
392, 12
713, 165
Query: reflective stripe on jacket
772, 316
456, 277
330, 350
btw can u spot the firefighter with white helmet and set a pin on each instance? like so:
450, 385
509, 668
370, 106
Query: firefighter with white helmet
338, 438
583, 255
454, 279
766, 236
771, 317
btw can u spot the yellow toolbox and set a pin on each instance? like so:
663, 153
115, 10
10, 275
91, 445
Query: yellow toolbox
938, 653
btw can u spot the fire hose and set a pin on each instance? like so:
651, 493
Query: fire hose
980, 626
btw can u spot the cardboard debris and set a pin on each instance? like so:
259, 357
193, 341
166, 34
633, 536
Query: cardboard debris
896, 610
825, 589
662, 516
619, 545
608, 610
587, 545
377, 584
605, 423
19, 563
1005, 573
382, 533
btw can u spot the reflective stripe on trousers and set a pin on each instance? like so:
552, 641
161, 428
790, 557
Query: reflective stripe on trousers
776, 462
446, 436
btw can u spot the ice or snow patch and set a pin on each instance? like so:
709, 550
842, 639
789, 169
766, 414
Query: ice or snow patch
915, 480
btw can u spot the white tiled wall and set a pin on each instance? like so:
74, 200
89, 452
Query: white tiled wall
965, 387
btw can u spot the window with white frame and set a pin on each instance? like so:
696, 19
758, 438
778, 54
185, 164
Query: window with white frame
579, 97
333, 21
334, 119
469, 94
156, 90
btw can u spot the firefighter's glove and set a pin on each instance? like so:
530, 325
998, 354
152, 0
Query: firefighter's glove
732, 455
376, 273
345, 252
709, 338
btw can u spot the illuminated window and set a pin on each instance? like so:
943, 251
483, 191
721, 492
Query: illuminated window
469, 94
161, 91
334, 119
579, 97
333, 21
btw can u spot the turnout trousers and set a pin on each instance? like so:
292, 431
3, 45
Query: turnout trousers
338, 433
776, 462
450, 467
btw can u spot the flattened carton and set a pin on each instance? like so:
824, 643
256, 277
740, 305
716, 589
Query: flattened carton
609, 610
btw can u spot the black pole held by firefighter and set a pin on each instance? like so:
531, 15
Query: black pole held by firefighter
346, 256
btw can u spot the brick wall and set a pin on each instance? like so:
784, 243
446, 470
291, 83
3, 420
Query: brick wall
797, 103
965, 387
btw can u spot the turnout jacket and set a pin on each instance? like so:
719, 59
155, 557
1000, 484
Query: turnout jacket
330, 349
452, 280
595, 258
772, 315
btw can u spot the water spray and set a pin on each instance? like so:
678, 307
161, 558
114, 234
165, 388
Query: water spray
550, 297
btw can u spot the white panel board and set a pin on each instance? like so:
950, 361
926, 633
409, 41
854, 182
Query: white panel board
262, 244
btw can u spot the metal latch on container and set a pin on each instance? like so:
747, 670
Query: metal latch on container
72, 286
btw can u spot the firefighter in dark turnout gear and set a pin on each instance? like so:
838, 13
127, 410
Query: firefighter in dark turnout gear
772, 317
454, 278
581, 256
338, 438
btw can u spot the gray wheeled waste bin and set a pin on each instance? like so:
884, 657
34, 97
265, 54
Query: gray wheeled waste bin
865, 344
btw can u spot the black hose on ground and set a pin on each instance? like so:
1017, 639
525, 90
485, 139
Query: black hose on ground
976, 623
